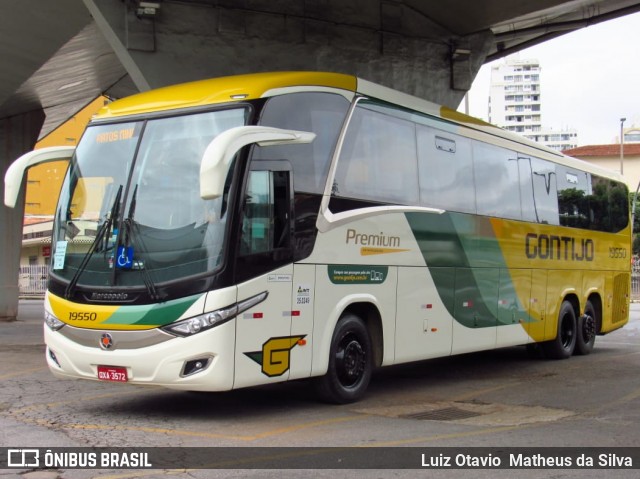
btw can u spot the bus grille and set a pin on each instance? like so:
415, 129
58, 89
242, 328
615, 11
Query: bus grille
621, 291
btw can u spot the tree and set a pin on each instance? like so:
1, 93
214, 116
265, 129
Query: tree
636, 224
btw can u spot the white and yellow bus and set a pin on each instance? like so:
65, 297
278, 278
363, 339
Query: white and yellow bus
262, 228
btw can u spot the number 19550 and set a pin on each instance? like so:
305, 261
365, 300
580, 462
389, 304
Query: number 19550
82, 316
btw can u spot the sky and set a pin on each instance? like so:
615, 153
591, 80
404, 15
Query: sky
590, 79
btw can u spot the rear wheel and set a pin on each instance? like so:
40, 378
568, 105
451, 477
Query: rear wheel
586, 330
564, 344
350, 362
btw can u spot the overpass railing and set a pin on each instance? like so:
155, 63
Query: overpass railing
635, 281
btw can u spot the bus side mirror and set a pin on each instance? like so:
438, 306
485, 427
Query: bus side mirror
15, 173
219, 153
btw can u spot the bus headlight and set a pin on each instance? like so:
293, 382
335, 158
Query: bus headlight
200, 323
53, 322
206, 321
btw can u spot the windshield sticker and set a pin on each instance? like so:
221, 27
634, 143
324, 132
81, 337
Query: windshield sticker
125, 257
115, 135
357, 274
60, 254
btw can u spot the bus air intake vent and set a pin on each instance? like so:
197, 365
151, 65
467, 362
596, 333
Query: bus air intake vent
621, 291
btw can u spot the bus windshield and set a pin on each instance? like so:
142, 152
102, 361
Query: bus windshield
130, 212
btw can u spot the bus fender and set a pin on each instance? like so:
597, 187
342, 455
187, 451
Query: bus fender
321, 347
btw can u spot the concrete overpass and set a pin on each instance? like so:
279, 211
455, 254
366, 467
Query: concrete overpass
58, 56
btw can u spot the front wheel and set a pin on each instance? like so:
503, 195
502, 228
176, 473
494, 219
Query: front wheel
563, 345
350, 362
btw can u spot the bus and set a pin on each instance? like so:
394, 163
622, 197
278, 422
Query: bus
260, 228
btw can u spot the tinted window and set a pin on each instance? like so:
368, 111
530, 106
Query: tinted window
320, 113
527, 202
545, 195
446, 170
459, 174
378, 158
598, 204
575, 198
266, 212
496, 179
618, 205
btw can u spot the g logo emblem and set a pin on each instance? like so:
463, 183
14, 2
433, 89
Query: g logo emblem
106, 341
276, 355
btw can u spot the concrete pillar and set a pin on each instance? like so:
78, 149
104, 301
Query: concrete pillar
18, 135
383, 41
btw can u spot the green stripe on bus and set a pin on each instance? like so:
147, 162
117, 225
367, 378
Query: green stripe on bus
468, 268
152, 314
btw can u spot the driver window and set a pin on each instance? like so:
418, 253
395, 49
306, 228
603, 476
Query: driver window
266, 218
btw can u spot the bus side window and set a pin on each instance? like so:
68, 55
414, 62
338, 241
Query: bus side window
266, 215
545, 191
496, 179
378, 161
445, 170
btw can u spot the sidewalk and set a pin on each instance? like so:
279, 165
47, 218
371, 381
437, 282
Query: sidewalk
27, 329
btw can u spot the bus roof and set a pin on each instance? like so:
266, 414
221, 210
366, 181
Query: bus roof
221, 90
258, 85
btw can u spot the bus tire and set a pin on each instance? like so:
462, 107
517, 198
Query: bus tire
350, 362
587, 330
564, 344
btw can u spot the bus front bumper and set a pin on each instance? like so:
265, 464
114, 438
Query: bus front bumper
202, 362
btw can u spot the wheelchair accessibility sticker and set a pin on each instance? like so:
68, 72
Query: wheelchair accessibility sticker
124, 259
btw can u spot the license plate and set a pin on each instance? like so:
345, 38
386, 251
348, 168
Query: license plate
112, 373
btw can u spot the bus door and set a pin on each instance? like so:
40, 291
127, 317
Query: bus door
265, 263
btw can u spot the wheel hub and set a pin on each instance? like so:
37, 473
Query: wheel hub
566, 334
588, 327
350, 362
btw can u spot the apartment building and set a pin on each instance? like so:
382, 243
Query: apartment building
514, 96
515, 104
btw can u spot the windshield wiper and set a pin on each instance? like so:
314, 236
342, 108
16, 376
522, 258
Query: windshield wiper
102, 234
130, 226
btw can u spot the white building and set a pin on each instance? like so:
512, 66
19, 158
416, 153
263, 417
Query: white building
514, 97
631, 134
557, 139
515, 103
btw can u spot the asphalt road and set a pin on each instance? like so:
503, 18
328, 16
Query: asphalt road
497, 399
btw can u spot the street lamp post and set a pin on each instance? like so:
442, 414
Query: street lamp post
622, 120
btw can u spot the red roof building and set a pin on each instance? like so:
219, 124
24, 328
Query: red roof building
608, 156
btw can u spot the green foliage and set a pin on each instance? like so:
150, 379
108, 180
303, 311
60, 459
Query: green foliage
636, 224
